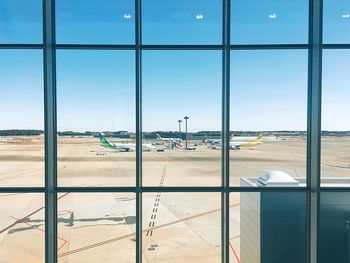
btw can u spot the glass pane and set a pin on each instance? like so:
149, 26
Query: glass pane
95, 22
179, 84
96, 227
21, 118
22, 228
181, 227
96, 118
269, 22
336, 21
335, 112
334, 234
268, 117
21, 22
268, 227
182, 22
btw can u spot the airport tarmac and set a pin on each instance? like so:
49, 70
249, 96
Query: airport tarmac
82, 160
177, 227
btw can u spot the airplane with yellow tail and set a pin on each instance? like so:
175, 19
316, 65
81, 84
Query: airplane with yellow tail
236, 145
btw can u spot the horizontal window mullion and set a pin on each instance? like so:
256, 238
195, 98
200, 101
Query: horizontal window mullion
22, 189
95, 47
149, 189
269, 46
336, 46
269, 189
21, 46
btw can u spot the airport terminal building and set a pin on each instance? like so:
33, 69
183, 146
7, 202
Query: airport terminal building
174, 131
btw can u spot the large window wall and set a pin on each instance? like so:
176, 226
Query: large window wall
174, 131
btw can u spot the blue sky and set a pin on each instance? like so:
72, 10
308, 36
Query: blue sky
179, 83
95, 89
336, 16
21, 89
20, 21
182, 22
95, 22
269, 90
336, 91
269, 21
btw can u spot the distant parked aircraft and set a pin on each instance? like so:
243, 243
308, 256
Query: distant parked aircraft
177, 142
124, 147
236, 145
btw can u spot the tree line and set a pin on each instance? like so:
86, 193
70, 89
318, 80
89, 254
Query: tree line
16, 132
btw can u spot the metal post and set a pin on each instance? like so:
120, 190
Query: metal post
314, 123
179, 121
50, 131
186, 118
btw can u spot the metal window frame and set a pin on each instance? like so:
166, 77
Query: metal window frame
51, 190
50, 118
314, 124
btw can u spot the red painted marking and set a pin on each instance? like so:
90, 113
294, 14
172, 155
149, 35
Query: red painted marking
41, 230
64, 243
62, 196
17, 220
235, 237
20, 220
32, 213
234, 252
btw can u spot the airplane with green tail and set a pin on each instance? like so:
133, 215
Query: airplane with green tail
123, 147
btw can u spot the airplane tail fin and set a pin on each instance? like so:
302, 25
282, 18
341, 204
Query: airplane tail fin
104, 141
158, 136
102, 138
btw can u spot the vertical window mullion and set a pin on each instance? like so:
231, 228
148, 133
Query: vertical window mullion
225, 156
314, 123
50, 131
138, 81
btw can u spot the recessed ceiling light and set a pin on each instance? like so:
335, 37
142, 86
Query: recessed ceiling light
199, 16
345, 15
272, 16
127, 16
